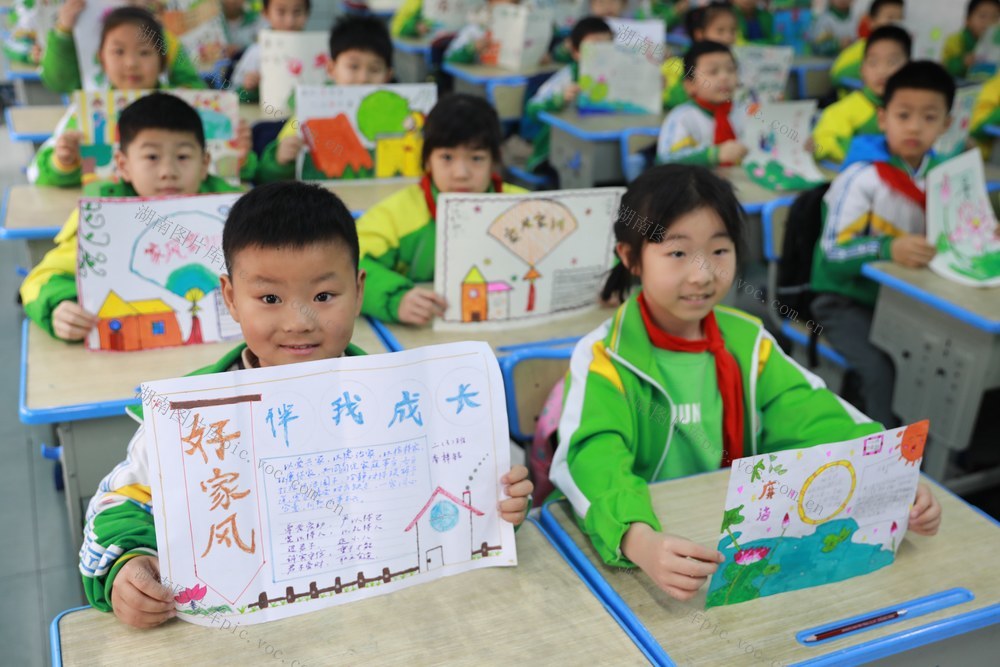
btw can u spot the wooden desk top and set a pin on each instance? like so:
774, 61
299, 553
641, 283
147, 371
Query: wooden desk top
496, 616
961, 555
359, 196
34, 207
39, 119
61, 374
982, 302
410, 337
601, 124
752, 195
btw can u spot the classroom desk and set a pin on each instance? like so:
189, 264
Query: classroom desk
684, 633
539, 610
412, 59
812, 77
34, 124
504, 89
586, 149
28, 88
85, 394
33, 212
359, 196
944, 339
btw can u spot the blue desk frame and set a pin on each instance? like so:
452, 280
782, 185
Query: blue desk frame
37, 138
33, 234
866, 651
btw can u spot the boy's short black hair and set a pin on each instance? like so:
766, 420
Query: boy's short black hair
921, 75
699, 49
159, 111
877, 6
288, 214
462, 120
361, 33
700, 18
587, 26
975, 4
891, 33
268, 2
142, 19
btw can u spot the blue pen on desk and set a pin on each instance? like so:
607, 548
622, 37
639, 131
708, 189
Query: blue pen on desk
857, 625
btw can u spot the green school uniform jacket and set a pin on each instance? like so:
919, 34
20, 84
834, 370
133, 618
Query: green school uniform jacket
619, 425
120, 517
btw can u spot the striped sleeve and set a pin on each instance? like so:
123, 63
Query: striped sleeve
849, 216
680, 141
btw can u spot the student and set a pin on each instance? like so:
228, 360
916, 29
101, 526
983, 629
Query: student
834, 29
675, 384
287, 15
874, 211
132, 59
241, 26
61, 69
986, 112
162, 153
298, 240
561, 89
715, 22
886, 50
848, 63
704, 130
756, 25
602, 9
20, 43
360, 53
461, 153
958, 54
474, 39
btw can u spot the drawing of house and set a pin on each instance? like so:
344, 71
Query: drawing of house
399, 154
443, 527
137, 325
482, 300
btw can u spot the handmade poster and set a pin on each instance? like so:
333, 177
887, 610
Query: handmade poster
647, 37
517, 260
448, 15
149, 269
198, 24
98, 114
523, 35
807, 517
87, 38
357, 132
953, 140
283, 490
288, 59
961, 223
775, 134
763, 73
565, 13
618, 80
987, 53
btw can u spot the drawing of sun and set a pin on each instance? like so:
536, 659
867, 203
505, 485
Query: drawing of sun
911, 448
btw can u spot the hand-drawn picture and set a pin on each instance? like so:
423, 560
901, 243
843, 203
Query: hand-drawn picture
519, 259
615, 79
149, 269
808, 517
775, 134
288, 59
198, 24
361, 132
763, 73
961, 223
522, 35
447, 16
953, 140
284, 490
98, 112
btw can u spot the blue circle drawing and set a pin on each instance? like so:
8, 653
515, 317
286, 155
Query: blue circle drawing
115, 325
444, 516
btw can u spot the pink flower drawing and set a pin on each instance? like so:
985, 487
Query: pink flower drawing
750, 556
191, 595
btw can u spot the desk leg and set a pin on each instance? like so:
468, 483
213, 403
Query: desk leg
943, 367
581, 164
90, 449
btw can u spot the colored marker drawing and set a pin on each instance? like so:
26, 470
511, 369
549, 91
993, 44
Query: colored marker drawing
809, 517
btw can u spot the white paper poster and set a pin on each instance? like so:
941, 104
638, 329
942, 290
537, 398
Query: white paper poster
523, 34
515, 260
149, 269
288, 59
448, 15
954, 139
763, 73
775, 135
647, 36
806, 517
565, 13
618, 80
87, 38
284, 490
961, 223
357, 132
987, 53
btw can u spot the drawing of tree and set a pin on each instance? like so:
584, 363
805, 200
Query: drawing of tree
192, 282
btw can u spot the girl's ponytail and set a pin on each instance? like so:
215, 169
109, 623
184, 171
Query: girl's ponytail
619, 283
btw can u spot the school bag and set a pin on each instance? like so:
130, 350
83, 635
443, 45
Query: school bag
802, 232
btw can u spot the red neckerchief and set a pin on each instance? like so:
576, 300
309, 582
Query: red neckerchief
723, 128
901, 182
429, 198
727, 374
